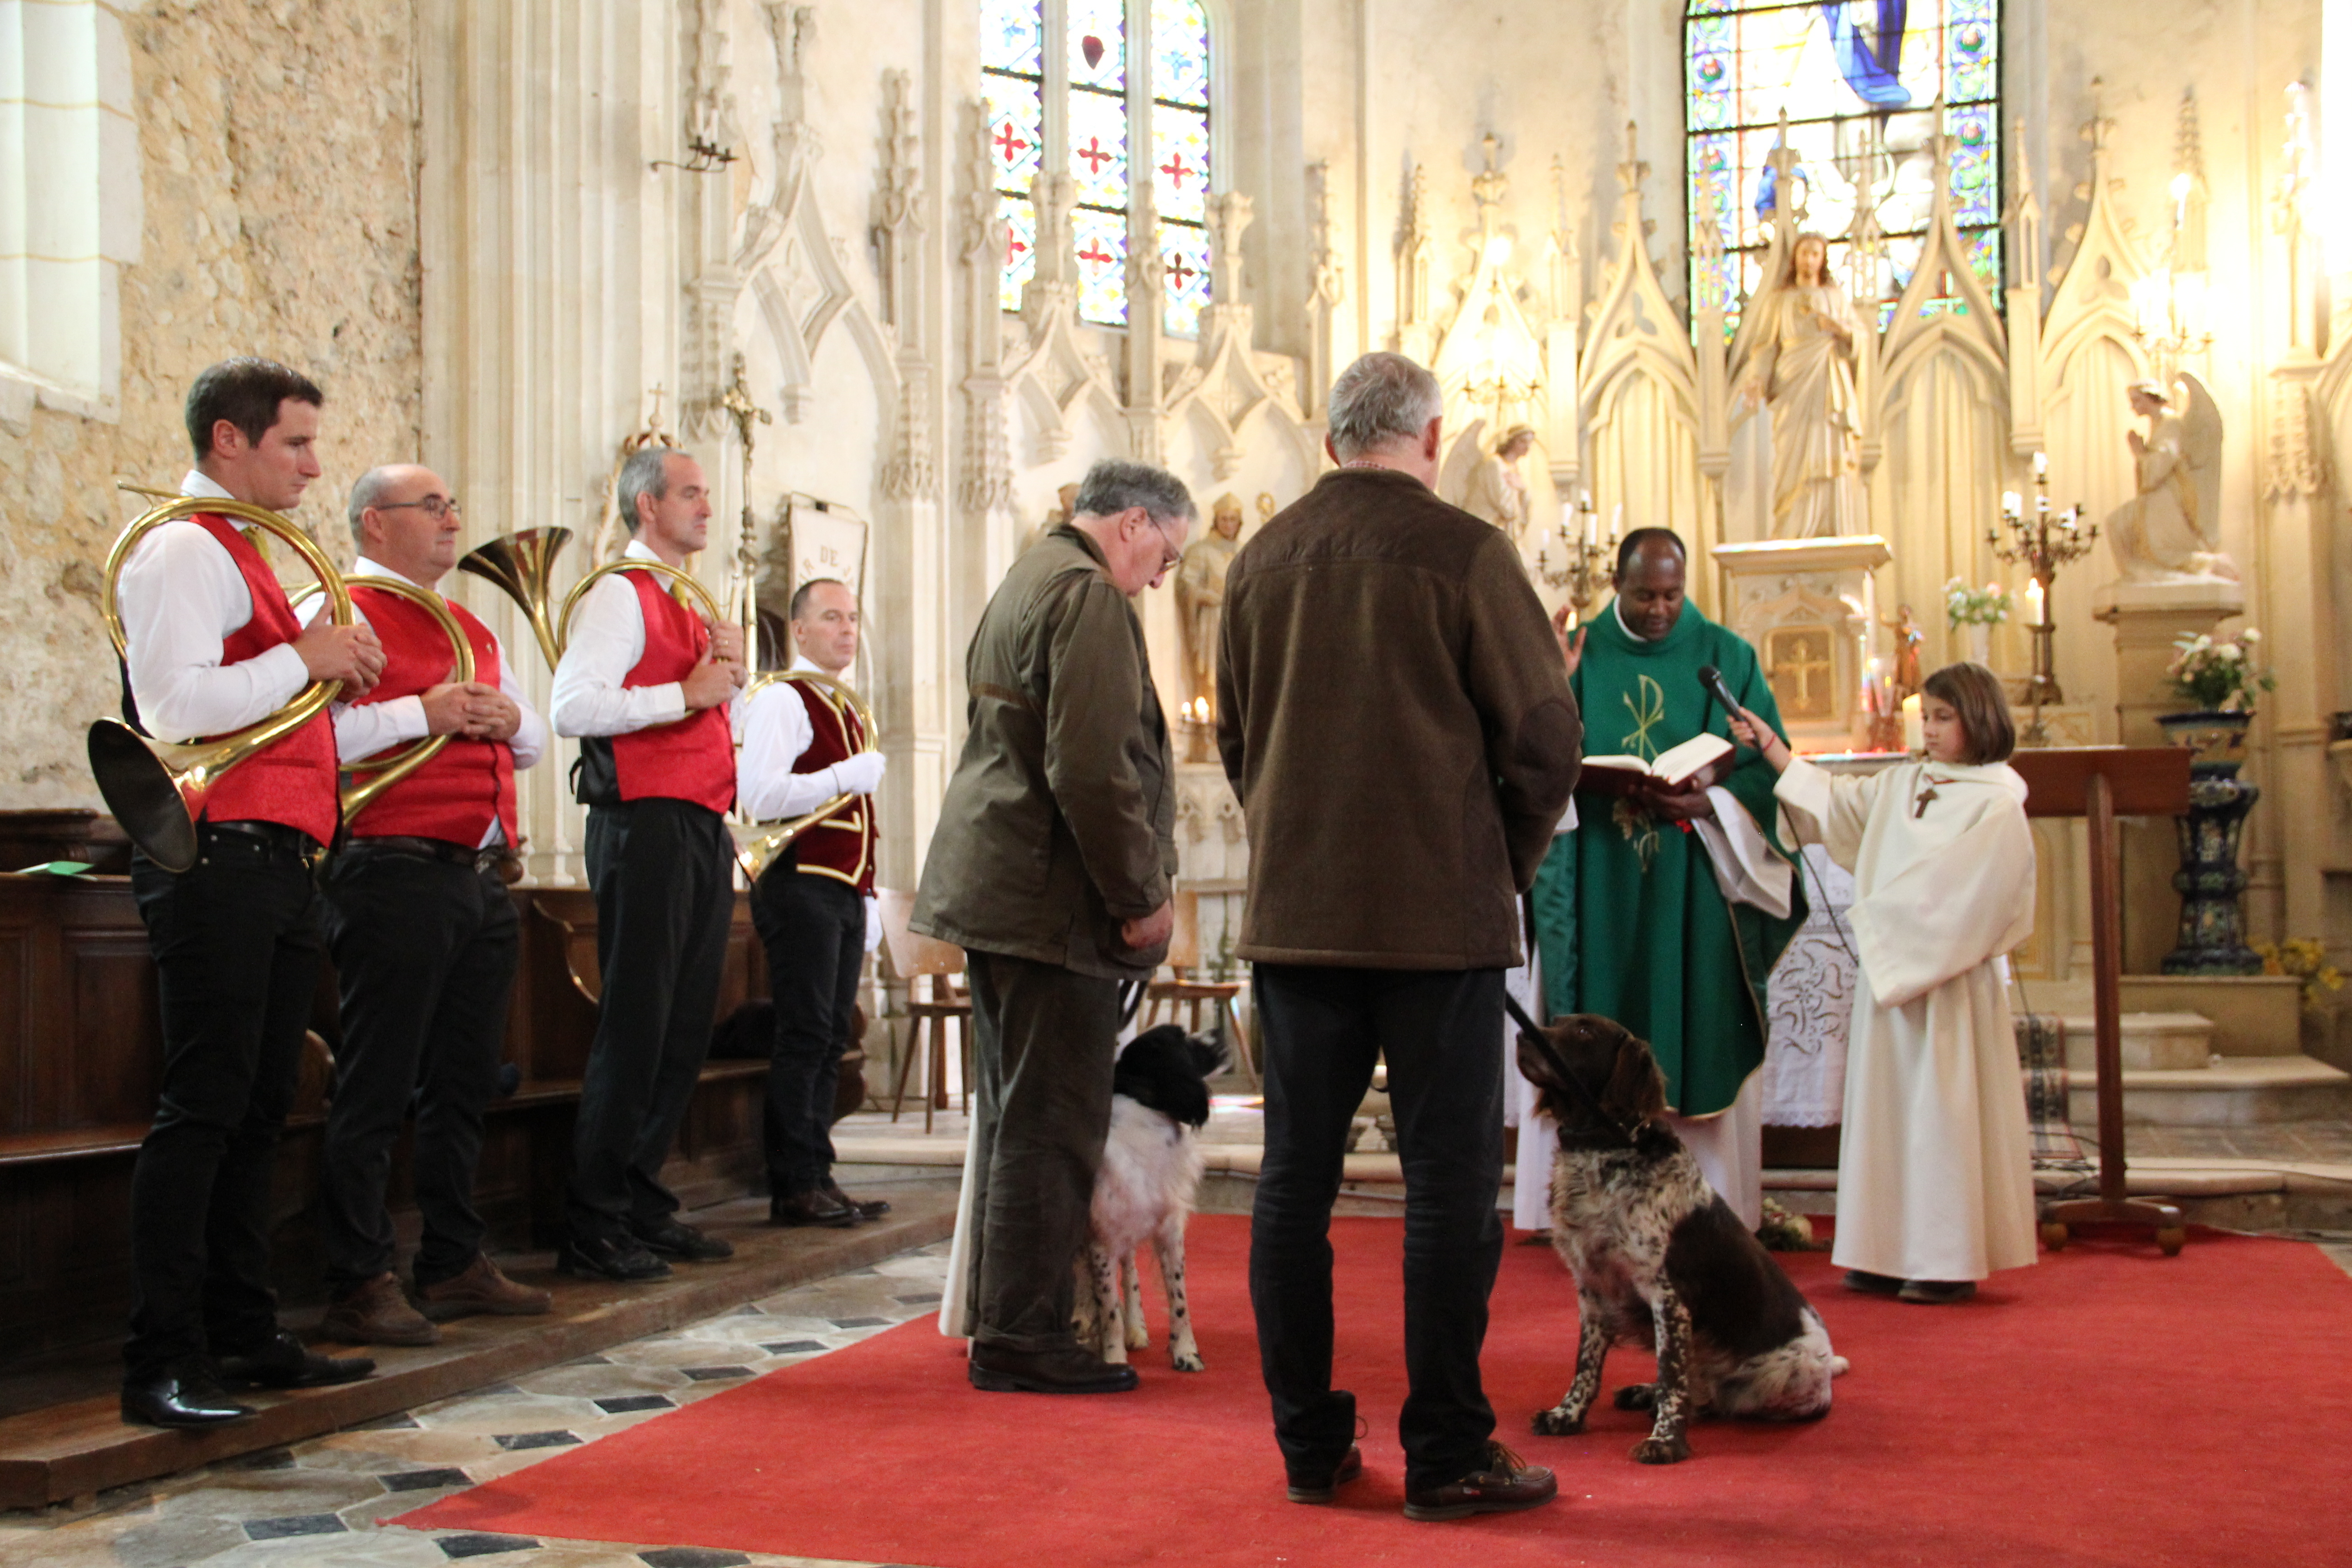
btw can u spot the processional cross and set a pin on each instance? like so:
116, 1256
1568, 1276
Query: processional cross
736, 405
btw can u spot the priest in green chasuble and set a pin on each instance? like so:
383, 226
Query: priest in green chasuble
1666, 905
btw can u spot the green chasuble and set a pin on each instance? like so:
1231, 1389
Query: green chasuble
1629, 919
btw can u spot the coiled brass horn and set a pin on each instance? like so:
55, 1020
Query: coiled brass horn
757, 844
683, 583
523, 563
157, 789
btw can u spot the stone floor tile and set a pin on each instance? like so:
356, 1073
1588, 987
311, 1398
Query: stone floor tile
480, 1544
504, 1413
280, 1527
605, 1379
693, 1557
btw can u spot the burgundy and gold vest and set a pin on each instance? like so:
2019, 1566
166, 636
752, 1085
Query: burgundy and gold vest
467, 784
842, 846
292, 779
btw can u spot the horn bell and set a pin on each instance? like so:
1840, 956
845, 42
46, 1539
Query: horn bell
156, 791
523, 564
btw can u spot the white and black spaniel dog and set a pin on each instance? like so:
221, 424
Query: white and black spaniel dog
1144, 1191
1659, 1258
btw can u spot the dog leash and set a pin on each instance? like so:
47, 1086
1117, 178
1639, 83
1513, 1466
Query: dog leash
1530, 1030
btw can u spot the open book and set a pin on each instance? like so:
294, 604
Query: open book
1697, 762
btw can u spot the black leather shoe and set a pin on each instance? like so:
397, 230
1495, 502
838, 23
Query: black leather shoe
623, 1262
185, 1395
674, 1238
865, 1208
283, 1362
816, 1206
1068, 1370
1321, 1488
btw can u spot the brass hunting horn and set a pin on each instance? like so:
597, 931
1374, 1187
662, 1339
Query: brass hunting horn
156, 789
523, 563
757, 844
383, 772
684, 586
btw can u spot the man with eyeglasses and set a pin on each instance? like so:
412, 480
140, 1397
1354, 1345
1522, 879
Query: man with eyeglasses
1051, 869
424, 936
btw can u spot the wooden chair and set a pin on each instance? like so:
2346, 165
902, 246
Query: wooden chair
918, 959
1192, 996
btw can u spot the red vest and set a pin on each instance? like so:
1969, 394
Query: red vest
842, 846
292, 779
455, 795
693, 758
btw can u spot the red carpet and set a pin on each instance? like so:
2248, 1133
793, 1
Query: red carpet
2107, 1407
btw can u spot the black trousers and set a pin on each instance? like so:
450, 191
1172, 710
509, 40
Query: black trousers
236, 940
425, 954
1442, 1033
663, 873
815, 930
1045, 1040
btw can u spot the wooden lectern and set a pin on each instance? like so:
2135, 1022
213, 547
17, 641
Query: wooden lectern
2102, 782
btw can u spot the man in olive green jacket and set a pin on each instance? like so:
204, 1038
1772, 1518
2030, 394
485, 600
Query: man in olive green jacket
1050, 868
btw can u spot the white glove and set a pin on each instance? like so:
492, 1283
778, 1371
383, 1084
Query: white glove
860, 774
873, 922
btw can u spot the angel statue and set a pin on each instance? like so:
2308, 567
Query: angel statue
1804, 371
1499, 491
2169, 532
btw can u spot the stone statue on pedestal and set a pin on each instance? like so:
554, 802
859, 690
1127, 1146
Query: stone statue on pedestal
2170, 531
1803, 371
1201, 596
1498, 492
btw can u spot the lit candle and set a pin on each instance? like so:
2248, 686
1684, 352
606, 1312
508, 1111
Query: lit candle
1592, 524
1871, 697
1915, 725
2040, 466
2033, 604
2010, 503
1616, 515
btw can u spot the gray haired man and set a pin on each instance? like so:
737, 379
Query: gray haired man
1394, 713
646, 685
1050, 868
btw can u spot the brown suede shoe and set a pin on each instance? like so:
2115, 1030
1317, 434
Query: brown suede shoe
376, 1314
481, 1289
865, 1208
1504, 1484
1323, 1488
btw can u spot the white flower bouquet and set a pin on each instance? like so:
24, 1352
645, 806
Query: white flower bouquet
2218, 674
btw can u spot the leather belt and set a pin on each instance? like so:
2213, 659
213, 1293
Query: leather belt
442, 849
275, 836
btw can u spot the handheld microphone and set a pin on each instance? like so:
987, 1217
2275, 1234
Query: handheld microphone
1712, 679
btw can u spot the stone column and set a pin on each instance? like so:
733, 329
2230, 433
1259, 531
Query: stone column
2149, 618
552, 291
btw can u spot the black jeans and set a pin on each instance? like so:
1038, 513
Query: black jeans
425, 955
1045, 1039
1442, 1033
236, 940
663, 872
815, 930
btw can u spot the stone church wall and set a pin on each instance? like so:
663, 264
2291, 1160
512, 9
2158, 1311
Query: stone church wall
278, 152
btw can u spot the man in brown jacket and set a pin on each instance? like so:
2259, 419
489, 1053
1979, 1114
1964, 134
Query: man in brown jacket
1394, 711
1050, 868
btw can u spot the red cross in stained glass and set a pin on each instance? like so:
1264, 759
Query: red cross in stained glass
1097, 254
1019, 245
1178, 274
1095, 156
1176, 169
1009, 145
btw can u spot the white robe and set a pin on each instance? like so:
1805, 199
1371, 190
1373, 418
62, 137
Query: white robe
1936, 1175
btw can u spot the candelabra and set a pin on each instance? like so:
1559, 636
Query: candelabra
1581, 570
2040, 541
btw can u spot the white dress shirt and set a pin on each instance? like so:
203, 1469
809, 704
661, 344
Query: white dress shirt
608, 639
777, 730
180, 597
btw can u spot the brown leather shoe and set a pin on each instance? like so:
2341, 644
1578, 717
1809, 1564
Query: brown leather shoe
1065, 1371
1504, 1484
1322, 1491
376, 1314
481, 1289
865, 1208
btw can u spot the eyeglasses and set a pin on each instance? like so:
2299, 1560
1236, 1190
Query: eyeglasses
1173, 556
434, 507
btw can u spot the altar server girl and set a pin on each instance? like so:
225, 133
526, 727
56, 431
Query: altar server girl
1936, 1177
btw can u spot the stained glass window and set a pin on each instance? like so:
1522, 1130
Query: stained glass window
1180, 157
1858, 82
1088, 74
1012, 45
